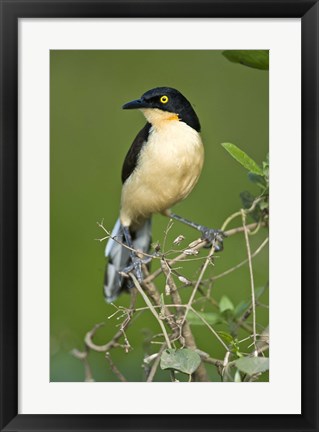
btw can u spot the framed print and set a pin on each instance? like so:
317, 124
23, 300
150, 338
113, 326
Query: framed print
137, 289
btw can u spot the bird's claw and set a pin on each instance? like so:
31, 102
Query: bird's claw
213, 237
136, 267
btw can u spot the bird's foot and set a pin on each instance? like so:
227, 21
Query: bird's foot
213, 237
136, 266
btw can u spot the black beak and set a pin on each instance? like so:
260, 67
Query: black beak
135, 104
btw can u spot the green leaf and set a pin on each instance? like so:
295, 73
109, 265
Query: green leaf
257, 59
259, 291
263, 205
252, 365
243, 305
237, 377
241, 308
225, 304
257, 179
247, 200
211, 317
243, 158
267, 158
182, 360
226, 337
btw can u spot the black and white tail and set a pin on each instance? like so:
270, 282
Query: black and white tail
119, 258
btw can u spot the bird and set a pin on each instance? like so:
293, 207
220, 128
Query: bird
160, 169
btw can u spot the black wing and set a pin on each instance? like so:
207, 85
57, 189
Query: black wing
131, 158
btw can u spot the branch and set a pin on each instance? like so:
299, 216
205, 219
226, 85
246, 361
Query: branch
237, 266
209, 326
196, 246
191, 299
83, 356
252, 285
114, 369
178, 323
200, 374
152, 309
155, 364
113, 343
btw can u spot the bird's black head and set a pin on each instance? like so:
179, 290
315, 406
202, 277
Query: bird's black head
167, 99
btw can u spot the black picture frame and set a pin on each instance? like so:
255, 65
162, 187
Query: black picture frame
11, 11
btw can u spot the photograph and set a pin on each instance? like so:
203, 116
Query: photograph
159, 215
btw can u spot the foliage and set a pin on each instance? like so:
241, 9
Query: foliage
200, 318
178, 352
259, 204
241, 157
182, 360
252, 365
257, 59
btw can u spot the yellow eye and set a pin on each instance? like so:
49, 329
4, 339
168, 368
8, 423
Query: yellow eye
164, 99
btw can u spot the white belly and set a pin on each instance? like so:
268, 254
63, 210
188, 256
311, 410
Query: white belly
168, 169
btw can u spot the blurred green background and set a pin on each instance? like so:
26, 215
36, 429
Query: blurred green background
89, 136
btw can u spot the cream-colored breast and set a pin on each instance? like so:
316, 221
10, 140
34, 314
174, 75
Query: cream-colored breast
168, 168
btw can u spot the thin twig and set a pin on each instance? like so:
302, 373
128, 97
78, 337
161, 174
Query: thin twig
207, 359
152, 309
113, 343
168, 228
186, 336
101, 348
239, 213
252, 285
229, 219
190, 301
210, 327
152, 292
227, 272
240, 229
114, 369
83, 356
155, 364
109, 236
197, 245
